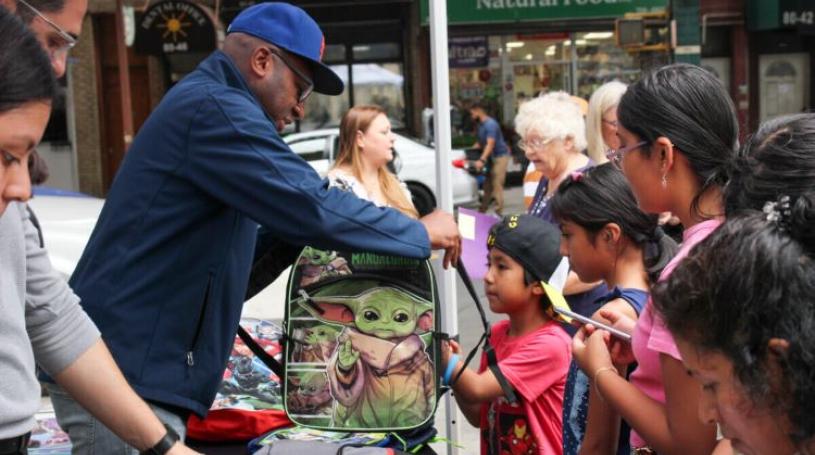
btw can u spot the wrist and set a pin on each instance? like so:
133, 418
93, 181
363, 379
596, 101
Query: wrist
163, 445
452, 362
596, 378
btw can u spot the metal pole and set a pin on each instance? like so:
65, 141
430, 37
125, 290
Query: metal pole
441, 127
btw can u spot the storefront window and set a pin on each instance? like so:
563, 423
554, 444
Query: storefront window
381, 84
502, 71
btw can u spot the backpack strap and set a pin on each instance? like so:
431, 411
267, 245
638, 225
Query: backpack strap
492, 360
260, 353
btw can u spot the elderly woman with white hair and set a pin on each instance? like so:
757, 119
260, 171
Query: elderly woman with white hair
553, 136
601, 123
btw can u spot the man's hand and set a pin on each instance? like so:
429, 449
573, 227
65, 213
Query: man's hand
443, 232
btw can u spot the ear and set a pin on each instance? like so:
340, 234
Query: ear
778, 346
568, 143
360, 138
666, 154
537, 289
425, 322
612, 233
260, 62
330, 312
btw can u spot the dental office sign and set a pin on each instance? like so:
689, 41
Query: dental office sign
471, 52
481, 11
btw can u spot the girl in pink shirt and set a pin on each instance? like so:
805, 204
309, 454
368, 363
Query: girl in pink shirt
678, 137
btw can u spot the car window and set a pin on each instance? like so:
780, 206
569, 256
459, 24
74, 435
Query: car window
310, 149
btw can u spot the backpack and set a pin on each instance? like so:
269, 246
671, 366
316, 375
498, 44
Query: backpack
361, 350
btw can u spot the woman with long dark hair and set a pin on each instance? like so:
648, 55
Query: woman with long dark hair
678, 144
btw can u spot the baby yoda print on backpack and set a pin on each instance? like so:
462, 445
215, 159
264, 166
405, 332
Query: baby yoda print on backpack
360, 354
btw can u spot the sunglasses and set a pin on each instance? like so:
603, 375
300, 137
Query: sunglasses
309, 84
68, 41
616, 155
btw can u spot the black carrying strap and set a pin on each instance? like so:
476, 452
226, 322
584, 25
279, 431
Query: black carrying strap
260, 353
492, 360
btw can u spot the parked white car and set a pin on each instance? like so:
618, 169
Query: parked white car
414, 163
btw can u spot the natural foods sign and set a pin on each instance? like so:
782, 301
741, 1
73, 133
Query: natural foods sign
480, 11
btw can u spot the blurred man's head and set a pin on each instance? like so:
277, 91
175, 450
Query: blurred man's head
56, 23
278, 47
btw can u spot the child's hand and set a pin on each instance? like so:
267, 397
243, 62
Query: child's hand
621, 353
448, 348
590, 349
618, 320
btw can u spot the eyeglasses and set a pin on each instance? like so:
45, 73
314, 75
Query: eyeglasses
616, 155
68, 40
534, 144
309, 84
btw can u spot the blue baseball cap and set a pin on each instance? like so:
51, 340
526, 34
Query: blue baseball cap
289, 27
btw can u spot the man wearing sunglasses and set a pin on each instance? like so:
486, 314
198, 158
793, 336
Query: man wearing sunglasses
165, 272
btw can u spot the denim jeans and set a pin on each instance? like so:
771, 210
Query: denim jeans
89, 436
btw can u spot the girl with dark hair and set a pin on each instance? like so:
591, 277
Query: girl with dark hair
42, 320
741, 309
778, 159
678, 141
607, 238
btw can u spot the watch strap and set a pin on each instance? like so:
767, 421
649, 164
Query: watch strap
164, 444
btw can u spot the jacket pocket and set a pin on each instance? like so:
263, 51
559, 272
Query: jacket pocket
200, 324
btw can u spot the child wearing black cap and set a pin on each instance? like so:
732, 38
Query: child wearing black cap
524, 281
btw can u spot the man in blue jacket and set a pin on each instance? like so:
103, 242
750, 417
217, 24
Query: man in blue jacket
165, 272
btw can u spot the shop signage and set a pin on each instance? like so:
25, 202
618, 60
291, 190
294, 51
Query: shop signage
174, 26
481, 11
781, 14
470, 52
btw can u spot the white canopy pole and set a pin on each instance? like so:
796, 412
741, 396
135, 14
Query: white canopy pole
444, 193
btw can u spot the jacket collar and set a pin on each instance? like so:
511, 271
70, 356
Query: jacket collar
221, 68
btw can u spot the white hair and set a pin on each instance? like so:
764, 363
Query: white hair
604, 98
552, 116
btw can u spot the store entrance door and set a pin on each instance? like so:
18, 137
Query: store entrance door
783, 84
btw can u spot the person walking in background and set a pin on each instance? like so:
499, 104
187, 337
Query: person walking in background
366, 148
601, 121
42, 320
494, 155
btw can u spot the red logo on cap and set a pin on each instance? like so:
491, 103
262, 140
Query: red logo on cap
322, 48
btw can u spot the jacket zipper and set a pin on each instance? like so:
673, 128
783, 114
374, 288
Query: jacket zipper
200, 325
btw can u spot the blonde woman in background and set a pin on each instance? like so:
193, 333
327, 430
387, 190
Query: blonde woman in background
366, 148
601, 123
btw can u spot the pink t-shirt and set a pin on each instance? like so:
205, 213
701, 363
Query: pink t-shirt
651, 338
535, 365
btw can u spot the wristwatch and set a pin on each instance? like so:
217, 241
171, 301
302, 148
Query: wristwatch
164, 444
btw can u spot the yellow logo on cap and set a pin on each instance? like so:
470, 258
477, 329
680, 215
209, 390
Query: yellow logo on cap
513, 222
491, 240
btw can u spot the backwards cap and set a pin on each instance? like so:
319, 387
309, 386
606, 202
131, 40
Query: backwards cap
535, 244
